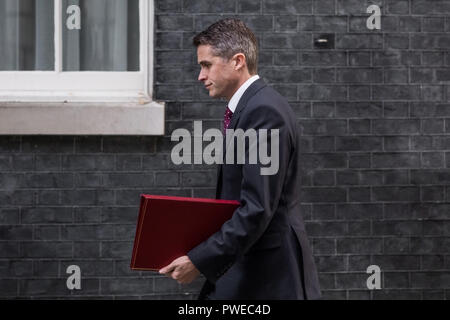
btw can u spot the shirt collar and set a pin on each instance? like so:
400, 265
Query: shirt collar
238, 94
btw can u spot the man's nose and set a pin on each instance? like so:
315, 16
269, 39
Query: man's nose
201, 76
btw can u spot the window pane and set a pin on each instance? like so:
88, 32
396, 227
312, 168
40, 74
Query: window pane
100, 35
26, 35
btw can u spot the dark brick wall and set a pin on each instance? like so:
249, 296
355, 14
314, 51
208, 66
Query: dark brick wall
374, 113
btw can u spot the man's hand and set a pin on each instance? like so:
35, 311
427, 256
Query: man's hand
181, 269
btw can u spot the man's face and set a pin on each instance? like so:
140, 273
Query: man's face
217, 74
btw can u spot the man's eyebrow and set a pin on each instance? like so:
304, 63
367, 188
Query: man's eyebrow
204, 62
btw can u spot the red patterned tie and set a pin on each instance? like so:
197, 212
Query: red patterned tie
226, 119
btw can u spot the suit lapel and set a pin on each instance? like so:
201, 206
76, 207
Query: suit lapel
251, 90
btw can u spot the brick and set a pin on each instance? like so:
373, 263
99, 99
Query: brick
434, 228
88, 144
396, 194
359, 245
351, 280
193, 179
358, 262
323, 246
399, 76
87, 232
430, 176
168, 5
48, 197
430, 280
128, 180
119, 215
358, 177
324, 75
48, 144
423, 7
288, 6
392, 294
364, 211
174, 23
432, 262
9, 249
323, 58
398, 6
326, 228
324, 160
359, 228
15, 268
211, 6
9, 216
46, 215
396, 177
116, 249
44, 268
323, 212
166, 179
323, 178
9, 144
432, 194
359, 194
354, 7
46, 249
25, 162
286, 23
397, 262
430, 41
334, 295
322, 92
359, 41
330, 23
48, 180
358, 58
395, 280
396, 143
359, 92
396, 41
323, 144
9, 288
396, 160
86, 249
323, 194
396, 227
427, 245
396, 245
432, 160
323, 127
87, 162
361, 143
400, 126
286, 58
249, 6
46, 232
433, 58
359, 161
286, 75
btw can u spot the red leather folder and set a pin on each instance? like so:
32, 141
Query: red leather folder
168, 227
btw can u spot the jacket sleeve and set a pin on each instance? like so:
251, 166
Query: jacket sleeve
259, 197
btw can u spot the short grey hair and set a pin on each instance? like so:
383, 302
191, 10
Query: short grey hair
228, 37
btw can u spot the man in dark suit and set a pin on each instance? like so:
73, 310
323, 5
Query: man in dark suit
262, 252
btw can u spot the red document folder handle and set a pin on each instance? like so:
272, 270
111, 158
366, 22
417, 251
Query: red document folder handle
168, 227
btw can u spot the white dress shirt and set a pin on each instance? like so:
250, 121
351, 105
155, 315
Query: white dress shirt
232, 104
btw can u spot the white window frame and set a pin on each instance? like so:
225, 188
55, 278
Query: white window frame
84, 102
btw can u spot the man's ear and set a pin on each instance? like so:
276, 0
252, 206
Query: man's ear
239, 61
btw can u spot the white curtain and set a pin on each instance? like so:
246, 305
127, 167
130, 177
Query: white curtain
107, 41
26, 35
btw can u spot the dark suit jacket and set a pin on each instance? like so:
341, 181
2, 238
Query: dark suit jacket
262, 252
